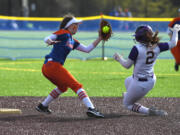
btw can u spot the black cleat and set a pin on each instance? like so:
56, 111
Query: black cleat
43, 109
94, 113
176, 67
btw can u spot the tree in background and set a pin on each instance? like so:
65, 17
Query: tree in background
151, 8
58, 8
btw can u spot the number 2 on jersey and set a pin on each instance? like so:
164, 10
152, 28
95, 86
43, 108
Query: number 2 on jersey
150, 56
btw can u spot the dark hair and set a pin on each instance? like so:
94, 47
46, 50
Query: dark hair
66, 19
144, 34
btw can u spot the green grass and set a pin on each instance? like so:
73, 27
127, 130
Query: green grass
99, 78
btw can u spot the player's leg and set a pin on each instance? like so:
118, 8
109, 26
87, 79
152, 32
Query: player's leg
134, 93
92, 112
127, 84
63, 79
72, 83
48, 71
55, 93
43, 107
176, 54
137, 90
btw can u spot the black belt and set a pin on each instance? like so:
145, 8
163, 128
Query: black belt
143, 79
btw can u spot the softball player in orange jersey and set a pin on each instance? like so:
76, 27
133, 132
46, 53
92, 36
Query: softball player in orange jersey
175, 50
53, 69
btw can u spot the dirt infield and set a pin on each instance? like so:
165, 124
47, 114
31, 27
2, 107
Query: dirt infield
69, 118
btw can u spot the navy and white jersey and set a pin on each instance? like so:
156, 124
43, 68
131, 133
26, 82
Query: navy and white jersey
61, 49
144, 58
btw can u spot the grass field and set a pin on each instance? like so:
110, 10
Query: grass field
100, 78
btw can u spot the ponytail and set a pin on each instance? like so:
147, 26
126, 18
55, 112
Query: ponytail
66, 19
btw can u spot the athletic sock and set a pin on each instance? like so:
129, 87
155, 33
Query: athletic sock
144, 110
84, 98
47, 100
53, 95
140, 109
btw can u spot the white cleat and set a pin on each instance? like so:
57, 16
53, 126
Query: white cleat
156, 112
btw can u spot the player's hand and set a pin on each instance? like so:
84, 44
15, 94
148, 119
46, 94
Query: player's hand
176, 27
117, 57
52, 42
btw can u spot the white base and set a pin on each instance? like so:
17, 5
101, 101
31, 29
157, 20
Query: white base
10, 111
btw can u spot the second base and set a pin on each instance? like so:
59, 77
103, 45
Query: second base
10, 111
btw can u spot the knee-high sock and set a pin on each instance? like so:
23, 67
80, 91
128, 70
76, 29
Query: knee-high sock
84, 98
53, 95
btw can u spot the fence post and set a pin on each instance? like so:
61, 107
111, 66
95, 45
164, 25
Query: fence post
103, 43
103, 54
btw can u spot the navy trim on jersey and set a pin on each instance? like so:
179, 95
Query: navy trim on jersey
177, 22
61, 50
76, 44
133, 54
163, 46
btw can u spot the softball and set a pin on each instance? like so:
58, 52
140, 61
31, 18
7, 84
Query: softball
105, 29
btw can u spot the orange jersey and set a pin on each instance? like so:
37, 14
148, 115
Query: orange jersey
174, 21
61, 50
176, 50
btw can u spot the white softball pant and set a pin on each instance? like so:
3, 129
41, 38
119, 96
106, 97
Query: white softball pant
136, 90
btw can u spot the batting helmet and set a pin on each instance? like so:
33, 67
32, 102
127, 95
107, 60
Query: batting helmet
143, 34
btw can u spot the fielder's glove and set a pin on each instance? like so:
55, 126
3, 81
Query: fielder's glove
105, 30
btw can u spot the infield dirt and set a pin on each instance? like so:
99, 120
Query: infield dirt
69, 117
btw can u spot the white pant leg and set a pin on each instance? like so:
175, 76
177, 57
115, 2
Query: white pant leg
136, 90
128, 81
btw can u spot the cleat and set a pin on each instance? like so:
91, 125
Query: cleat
43, 109
94, 113
176, 67
156, 112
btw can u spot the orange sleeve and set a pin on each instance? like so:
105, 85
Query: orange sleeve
61, 31
174, 21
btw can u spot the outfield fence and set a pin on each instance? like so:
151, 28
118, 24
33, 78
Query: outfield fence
22, 37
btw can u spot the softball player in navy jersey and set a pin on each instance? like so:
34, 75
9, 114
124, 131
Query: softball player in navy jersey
63, 43
143, 55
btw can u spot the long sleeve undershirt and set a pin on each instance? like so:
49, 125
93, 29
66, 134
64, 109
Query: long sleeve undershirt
81, 47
